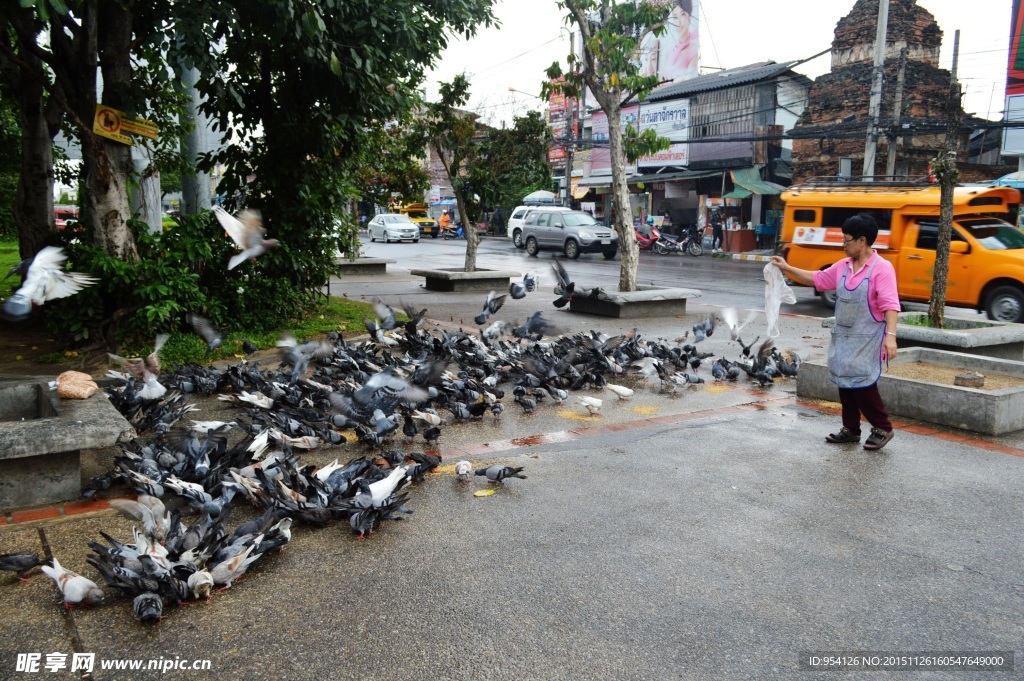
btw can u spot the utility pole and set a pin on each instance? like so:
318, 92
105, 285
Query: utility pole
571, 130
896, 140
944, 168
875, 103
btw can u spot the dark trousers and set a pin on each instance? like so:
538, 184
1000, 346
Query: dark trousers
867, 401
716, 237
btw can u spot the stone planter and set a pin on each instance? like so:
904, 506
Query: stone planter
41, 437
1003, 340
993, 412
457, 280
647, 301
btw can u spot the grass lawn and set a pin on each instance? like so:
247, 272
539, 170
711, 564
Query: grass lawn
336, 314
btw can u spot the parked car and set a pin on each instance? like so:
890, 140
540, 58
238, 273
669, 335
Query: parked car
514, 230
393, 227
570, 231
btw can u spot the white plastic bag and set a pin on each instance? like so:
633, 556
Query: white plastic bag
776, 292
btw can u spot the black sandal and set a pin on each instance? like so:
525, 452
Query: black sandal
878, 438
843, 436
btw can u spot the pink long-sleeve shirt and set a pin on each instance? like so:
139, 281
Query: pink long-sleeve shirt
882, 291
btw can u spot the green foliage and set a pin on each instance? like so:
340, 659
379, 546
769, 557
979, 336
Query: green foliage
8, 258
512, 162
8, 192
391, 166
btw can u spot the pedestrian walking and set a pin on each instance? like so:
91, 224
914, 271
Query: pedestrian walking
864, 334
717, 236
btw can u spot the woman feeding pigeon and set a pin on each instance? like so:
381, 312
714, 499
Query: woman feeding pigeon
864, 334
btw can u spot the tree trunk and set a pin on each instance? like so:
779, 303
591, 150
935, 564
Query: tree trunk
108, 164
628, 249
940, 273
472, 239
33, 205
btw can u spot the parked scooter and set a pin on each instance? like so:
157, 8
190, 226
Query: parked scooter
646, 235
692, 243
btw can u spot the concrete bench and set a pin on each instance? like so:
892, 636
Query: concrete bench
647, 301
41, 438
362, 266
457, 280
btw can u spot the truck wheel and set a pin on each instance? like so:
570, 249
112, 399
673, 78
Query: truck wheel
531, 246
517, 238
572, 249
1005, 304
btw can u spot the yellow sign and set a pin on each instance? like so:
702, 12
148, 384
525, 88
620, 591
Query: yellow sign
112, 124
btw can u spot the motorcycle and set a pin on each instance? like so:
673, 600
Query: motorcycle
646, 241
452, 232
692, 243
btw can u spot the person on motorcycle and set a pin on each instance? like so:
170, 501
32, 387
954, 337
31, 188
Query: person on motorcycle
445, 221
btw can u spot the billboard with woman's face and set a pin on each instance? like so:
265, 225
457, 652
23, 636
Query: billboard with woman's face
674, 55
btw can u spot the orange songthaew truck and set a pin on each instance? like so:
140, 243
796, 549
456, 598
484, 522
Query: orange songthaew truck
986, 262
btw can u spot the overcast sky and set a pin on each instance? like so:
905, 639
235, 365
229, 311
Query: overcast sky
732, 33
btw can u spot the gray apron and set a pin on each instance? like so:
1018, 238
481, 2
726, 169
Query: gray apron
855, 351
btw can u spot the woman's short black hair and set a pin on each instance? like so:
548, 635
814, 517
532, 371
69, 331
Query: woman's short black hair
686, 6
861, 225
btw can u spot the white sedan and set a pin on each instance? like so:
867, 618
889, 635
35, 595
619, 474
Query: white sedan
393, 227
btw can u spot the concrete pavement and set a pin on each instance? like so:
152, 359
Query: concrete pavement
714, 535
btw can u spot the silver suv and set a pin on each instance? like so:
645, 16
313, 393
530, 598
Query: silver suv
518, 217
570, 231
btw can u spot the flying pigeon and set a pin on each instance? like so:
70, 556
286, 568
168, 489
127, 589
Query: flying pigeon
45, 279
206, 331
145, 371
496, 474
75, 588
491, 305
731, 317
386, 314
247, 232
565, 288
704, 329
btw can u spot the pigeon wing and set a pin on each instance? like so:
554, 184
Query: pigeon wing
232, 225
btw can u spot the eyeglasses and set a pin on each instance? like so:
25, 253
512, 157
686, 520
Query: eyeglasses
850, 240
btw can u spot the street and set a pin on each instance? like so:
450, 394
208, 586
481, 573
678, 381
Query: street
722, 281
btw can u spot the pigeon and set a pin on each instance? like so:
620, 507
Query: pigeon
146, 371
530, 282
745, 346
462, 470
45, 279
592, 404
496, 474
491, 305
21, 563
565, 288
200, 583
704, 329
622, 391
414, 318
148, 607
386, 314
247, 232
731, 317
206, 331
536, 327
76, 589
248, 348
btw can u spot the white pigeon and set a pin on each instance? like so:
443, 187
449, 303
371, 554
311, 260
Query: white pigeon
463, 469
622, 391
200, 583
247, 232
76, 589
45, 279
592, 404
149, 511
146, 371
204, 427
731, 317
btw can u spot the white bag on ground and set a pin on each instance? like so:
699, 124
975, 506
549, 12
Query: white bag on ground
776, 292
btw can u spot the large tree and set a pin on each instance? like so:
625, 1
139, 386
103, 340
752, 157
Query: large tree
613, 34
292, 87
391, 165
452, 135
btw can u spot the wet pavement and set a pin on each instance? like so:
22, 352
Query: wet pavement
710, 535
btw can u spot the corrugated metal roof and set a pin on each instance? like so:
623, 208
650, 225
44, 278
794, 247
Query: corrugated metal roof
723, 79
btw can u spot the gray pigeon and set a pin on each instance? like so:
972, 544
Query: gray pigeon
491, 305
206, 331
45, 279
247, 232
496, 474
20, 563
148, 607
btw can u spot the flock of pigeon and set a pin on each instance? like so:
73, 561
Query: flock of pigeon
404, 382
